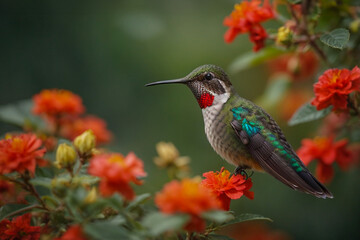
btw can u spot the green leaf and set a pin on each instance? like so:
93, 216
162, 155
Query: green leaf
10, 208
139, 200
337, 38
308, 113
158, 223
247, 217
275, 91
19, 113
115, 201
106, 230
252, 59
41, 181
294, 1
219, 237
218, 216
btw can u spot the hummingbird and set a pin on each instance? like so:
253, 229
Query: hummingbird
244, 134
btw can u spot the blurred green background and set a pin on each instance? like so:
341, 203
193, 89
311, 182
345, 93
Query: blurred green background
106, 51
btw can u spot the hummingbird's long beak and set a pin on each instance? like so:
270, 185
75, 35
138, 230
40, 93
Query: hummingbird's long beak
180, 80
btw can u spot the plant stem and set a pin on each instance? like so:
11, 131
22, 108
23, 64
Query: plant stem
24, 209
30, 188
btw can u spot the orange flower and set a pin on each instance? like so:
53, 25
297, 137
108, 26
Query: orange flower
57, 102
19, 228
334, 86
75, 232
187, 196
20, 153
299, 65
73, 128
116, 172
227, 187
246, 17
327, 152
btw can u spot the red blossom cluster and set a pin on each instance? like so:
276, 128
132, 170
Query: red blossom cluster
19, 228
246, 17
20, 153
194, 197
227, 187
116, 173
334, 87
62, 109
326, 151
187, 196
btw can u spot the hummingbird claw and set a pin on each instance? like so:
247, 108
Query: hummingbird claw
241, 170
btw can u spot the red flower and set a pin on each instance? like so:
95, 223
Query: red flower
19, 228
20, 153
327, 152
73, 128
299, 66
57, 102
116, 172
226, 187
75, 232
334, 86
187, 196
247, 17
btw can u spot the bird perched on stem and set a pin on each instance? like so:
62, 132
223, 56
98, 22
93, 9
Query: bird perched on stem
243, 133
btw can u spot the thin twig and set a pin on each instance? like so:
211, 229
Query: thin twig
24, 209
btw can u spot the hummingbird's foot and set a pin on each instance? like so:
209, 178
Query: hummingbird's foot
241, 170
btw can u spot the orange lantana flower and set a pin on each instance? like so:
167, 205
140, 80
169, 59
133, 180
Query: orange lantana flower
227, 187
334, 87
116, 173
73, 128
246, 17
20, 153
57, 102
327, 152
187, 196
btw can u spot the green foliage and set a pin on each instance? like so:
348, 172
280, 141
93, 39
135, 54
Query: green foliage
219, 217
19, 114
337, 38
159, 223
247, 217
308, 113
251, 59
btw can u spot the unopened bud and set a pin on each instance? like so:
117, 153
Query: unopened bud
284, 36
85, 142
91, 196
65, 156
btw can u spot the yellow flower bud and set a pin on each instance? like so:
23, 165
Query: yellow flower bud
91, 196
354, 25
284, 36
65, 156
85, 142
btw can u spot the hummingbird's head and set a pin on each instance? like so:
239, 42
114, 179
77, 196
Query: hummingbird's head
209, 84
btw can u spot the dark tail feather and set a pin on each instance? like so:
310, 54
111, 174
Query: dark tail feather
275, 165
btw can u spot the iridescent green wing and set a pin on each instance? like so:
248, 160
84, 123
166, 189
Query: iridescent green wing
267, 144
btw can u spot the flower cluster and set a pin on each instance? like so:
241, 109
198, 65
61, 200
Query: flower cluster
54, 103
246, 17
19, 228
187, 196
116, 172
20, 153
227, 187
327, 152
334, 87
62, 109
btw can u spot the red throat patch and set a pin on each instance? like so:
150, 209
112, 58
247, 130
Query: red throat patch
206, 100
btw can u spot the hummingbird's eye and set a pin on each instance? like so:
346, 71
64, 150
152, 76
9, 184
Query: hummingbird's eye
208, 76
